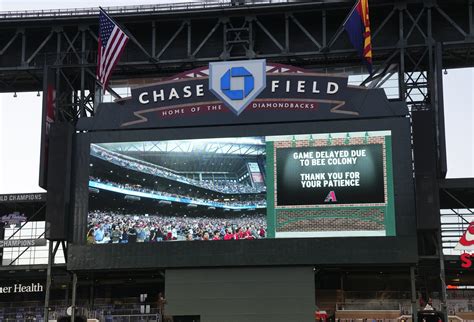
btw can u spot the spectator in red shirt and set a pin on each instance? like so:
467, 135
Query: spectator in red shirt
238, 233
169, 235
217, 235
228, 235
247, 234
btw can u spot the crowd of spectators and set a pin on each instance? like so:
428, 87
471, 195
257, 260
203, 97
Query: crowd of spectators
253, 202
228, 187
110, 227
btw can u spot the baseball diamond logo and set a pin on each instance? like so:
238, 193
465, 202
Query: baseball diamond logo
237, 83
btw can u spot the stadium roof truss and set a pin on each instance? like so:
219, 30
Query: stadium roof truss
238, 146
307, 34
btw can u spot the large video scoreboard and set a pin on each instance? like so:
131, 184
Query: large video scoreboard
309, 171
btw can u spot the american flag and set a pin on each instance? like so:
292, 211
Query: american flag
112, 41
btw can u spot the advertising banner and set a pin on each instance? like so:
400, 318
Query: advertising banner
241, 92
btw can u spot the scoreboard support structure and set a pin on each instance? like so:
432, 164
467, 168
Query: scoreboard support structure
407, 43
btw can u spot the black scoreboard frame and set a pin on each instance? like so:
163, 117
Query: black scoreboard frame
399, 249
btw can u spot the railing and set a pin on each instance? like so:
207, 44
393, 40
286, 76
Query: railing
133, 318
106, 313
460, 295
375, 306
376, 295
180, 6
454, 223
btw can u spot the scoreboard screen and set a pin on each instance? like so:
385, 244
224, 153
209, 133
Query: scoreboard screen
241, 188
331, 185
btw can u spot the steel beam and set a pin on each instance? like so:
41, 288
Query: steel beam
48, 281
8, 44
413, 294
203, 42
74, 293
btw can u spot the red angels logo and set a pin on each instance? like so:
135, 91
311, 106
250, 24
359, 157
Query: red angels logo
466, 243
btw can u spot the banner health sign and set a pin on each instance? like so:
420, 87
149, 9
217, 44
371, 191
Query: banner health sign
34, 287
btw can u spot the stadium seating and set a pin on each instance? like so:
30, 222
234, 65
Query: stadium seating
227, 186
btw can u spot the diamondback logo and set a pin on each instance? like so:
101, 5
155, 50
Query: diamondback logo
331, 197
237, 83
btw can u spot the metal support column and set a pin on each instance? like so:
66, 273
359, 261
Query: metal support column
442, 277
287, 34
189, 40
401, 45
23, 48
91, 293
439, 112
414, 308
48, 281
471, 18
73, 300
66, 295
82, 101
251, 39
153, 38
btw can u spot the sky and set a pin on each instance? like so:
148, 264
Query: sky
459, 116
20, 117
12, 5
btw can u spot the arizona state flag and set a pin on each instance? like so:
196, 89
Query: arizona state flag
357, 26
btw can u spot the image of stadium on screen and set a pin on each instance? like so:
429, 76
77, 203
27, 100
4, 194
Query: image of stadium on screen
241, 188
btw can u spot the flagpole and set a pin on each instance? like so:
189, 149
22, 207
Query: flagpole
100, 90
130, 36
353, 8
341, 27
